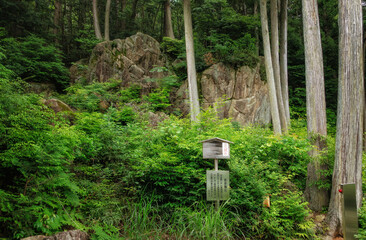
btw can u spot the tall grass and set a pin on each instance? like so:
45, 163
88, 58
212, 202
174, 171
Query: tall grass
144, 220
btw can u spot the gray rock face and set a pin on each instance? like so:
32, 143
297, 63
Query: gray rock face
130, 59
238, 94
69, 235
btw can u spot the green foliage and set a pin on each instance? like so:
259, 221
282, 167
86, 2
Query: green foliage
158, 99
32, 59
131, 94
89, 97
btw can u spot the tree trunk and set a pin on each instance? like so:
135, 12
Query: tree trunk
283, 59
123, 21
168, 26
191, 66
276, 63
57, 20
348, 154
269, 69
98, 33
315, 103
255, 12
106, 21
134, 10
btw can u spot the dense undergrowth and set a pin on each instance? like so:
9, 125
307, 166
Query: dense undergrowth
116, 176
108, 170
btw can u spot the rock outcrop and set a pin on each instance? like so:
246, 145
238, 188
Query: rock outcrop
130, 59
68, 235
238, 94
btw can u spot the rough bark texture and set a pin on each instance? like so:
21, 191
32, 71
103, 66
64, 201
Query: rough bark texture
191, 66
315, 103
283, 59
348, 155
276, 63
168, 26
106, 21
98, 33
269, 69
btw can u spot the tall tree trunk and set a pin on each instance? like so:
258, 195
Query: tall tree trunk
98, 33
106, 20
276, 62
168, 26
57, 20
283, 59
269, 69
191, 65
255, 12
315, 103
123, 8
348, 154
134, 10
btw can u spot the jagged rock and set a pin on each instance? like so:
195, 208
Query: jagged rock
130, 59
239, 94
57, 105
68, 235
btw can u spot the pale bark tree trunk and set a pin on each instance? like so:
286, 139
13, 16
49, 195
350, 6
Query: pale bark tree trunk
348, 154
191, 66
57, 20
98, 33
315, 103
269, 69
106, 20
168, 26
276, 63
283, 59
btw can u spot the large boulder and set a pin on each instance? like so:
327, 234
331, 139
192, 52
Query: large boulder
68, 235
239, 94
130, 59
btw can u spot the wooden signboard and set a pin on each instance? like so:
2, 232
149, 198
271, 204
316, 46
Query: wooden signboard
218, 185
350, 218
216, 148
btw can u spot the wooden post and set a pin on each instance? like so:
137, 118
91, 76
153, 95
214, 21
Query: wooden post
217, 202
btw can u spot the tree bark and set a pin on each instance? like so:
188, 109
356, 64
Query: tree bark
191, 66
348, 154
134, 10
168, 26
123, 20
283, 59
57, 20
106, 20
276, 63
98, 33
315, 103
269, 69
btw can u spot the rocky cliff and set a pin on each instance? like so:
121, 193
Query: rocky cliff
236, 93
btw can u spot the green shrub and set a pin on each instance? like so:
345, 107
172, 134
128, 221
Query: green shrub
158, 99
32, 59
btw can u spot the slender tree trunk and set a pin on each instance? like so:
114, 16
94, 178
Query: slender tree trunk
168, 26
134, 10
348, 154
57, 20
315, 103
255, 12
191, 66
106, 21
269, 69
283, 59
123, 8
276, 62
98, 33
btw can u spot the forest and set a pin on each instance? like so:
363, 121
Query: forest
104, 106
